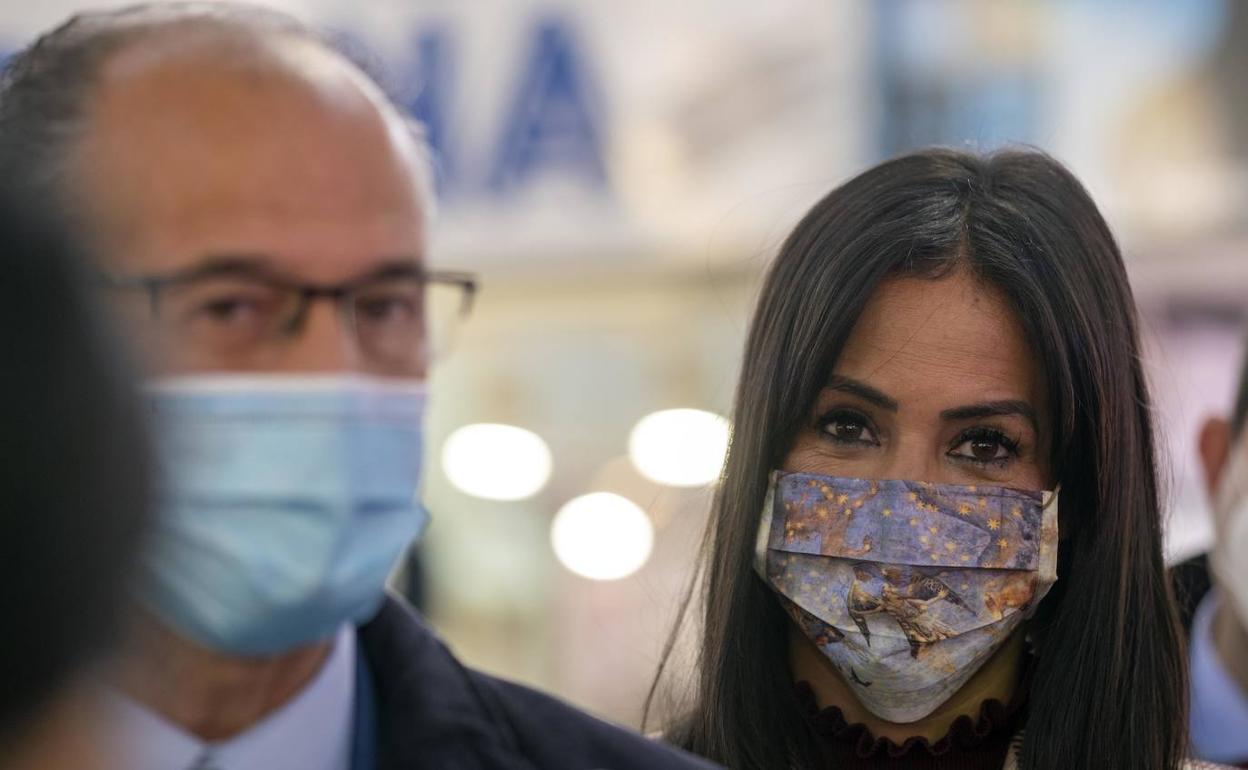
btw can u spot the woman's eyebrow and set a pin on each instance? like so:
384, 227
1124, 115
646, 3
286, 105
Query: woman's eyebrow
862, 390
991, 409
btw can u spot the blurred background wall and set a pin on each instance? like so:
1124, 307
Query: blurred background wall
620, 174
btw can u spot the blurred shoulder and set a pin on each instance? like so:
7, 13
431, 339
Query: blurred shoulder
427, 698
549, 729
1190, 580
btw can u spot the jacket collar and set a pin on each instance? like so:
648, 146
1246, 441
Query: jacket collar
423, 695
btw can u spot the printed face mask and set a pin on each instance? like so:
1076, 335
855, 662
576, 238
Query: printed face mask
907, 587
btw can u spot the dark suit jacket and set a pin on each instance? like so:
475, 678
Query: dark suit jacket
1191, 582
433, 712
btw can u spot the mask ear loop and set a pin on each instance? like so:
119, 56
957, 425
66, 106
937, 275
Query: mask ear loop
1234, 486
1049, 497
1048, 557
1230, 501
764, 527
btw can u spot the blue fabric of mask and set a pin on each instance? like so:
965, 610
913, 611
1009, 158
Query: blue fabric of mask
287, 501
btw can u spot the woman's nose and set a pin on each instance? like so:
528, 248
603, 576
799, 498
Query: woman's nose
914, 459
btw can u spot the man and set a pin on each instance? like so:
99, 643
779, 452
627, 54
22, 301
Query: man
260, 211
1219, 639
76, 497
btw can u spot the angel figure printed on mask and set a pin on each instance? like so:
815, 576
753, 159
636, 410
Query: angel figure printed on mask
905, 596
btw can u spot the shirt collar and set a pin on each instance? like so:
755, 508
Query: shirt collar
312, 731
1219, 711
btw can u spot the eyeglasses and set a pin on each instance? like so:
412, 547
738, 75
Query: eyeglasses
402, 317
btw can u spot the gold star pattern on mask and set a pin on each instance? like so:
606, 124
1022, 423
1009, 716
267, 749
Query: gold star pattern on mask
1003, 544
994, 524
886, 512
793, 528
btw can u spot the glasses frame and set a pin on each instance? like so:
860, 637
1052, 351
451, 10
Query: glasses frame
305, 292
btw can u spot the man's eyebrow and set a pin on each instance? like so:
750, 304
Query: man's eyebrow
991, 409
394, 266
226, 264
264, 266
862, 390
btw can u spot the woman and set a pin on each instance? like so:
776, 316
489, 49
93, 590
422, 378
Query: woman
945, 346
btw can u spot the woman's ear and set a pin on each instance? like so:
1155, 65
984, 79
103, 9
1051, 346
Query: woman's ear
1214, 444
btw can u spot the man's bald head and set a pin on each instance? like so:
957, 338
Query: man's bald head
50, 89
180, 137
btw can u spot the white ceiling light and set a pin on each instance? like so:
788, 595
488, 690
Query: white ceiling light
602, 536
679, 447
496, 462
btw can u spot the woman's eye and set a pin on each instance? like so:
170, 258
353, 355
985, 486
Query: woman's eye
848, 428
985, 448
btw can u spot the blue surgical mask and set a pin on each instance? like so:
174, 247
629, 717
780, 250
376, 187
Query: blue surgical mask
287, 502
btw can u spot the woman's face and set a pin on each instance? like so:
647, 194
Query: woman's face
936, 383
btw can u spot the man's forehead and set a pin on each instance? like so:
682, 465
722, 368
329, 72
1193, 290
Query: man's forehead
284, 147
170, 57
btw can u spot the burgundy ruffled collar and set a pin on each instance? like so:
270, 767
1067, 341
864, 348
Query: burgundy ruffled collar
996, 723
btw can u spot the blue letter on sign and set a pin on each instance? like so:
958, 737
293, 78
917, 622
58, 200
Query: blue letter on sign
428, 104
551, 121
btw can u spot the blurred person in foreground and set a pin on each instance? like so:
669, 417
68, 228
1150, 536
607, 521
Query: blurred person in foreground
1219, 635
74, 499
937, 541
261, 212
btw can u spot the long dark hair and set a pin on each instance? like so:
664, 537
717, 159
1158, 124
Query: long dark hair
1109, 684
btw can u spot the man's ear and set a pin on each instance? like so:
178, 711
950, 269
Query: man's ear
1214, 444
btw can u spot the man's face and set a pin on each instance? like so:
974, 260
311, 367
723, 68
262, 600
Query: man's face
254, 177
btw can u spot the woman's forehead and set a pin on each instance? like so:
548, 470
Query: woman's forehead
953, 337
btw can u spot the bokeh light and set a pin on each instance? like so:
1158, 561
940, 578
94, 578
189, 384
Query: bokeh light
679, 447
496, 462
602, 536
